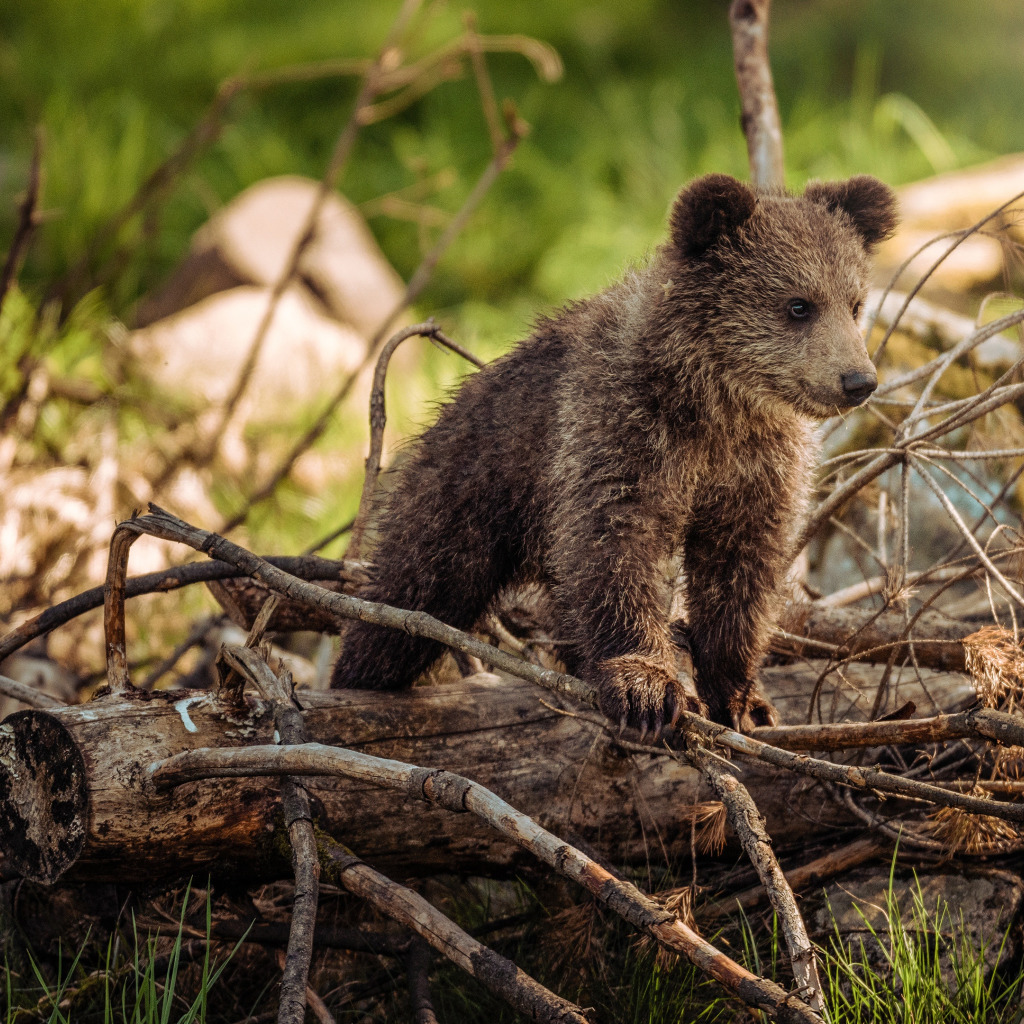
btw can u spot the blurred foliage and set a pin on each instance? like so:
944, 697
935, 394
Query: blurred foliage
647, 101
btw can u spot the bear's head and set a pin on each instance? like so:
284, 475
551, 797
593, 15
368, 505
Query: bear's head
771, 286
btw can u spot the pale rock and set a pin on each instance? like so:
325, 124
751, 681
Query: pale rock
251, 240
959, 199
952, 202
201, 350
42, 674
975, 263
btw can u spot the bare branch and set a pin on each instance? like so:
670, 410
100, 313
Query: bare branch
299, 823
28, 218
501, 976
749, 827
27, 694
113, 609
196, 636
418, 966
981, 723
484, 86
457, 793
761, 126
378, 419
860, 634
307, 567
855, 776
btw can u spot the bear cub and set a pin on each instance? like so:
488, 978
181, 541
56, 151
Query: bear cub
671, 415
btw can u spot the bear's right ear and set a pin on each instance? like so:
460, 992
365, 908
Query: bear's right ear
707, 209
868, 202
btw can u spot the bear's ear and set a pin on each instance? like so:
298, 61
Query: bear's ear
868, 202
707, 209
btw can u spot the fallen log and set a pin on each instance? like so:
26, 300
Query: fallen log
864, 634
75, 799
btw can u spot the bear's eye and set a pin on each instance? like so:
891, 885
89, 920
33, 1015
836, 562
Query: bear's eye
856, 310
799, 309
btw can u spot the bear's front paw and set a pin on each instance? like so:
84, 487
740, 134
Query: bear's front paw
751, 709
640, 694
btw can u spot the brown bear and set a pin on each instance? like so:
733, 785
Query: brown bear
671, 413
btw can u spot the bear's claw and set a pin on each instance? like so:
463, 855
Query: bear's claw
642, 695
752, 710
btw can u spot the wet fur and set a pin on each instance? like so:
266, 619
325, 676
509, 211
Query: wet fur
672, 412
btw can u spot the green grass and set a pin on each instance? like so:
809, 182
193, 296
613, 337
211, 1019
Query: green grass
138, 981
924, 966
921, 966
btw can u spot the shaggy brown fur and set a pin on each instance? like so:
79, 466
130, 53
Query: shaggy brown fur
670, 413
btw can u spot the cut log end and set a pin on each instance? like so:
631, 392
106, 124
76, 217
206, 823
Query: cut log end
43, 795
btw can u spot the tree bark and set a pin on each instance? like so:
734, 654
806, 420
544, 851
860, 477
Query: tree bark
867, 635
75, 801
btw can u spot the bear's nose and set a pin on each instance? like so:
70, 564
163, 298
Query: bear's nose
857, 385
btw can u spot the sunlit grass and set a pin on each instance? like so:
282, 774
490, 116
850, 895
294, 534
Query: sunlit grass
923, 964
135, 981
917, 964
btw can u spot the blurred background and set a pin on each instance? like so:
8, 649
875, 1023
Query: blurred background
626, 100
646, 101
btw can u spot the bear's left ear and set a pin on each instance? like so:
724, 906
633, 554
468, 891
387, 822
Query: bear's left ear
868, 202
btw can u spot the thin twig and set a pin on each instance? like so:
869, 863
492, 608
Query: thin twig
876, 584
195, 637
855, 776
308, 567
205, 131
318, 1006
419, 280
337, 532
118, 678
418, 966
907, 837
749, 827
378, 420
28, 218
299, 823
979, 723
967, 535
484, 86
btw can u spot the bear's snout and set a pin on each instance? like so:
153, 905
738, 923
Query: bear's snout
858, 385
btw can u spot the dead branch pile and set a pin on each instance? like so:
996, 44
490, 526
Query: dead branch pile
909, 680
